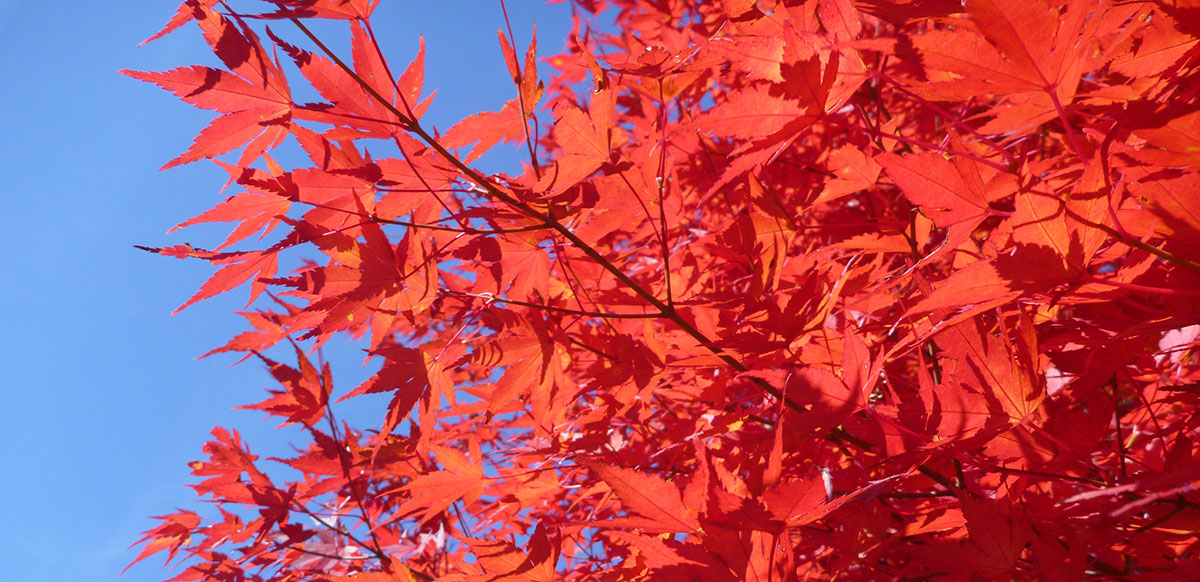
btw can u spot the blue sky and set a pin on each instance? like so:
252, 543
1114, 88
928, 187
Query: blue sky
105, 402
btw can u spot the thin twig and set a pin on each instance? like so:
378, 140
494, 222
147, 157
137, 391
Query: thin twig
339, 443
464, 230
661, 181
324, 555
494, 298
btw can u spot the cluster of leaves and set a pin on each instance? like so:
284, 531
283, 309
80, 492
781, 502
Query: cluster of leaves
865, 289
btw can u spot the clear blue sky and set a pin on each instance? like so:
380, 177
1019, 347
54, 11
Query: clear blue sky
104, 401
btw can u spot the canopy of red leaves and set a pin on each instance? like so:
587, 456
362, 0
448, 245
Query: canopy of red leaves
853, 289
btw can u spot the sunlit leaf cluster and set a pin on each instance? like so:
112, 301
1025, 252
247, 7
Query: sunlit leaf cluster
782, 290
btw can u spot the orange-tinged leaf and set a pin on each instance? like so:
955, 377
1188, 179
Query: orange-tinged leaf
530, 86
412, 82
1002, 366
336, 9
432, 493
670, 556
950, 193
503, 561
774, 469
965, 64
760, 57
857, 366
527, 363
736, 8
1041, 220
253, 266
410, 373
253, 95
224, 134
488, 129
184, 14
853, 171
585, 147
773, 230
1024, 32
353, 105
1161, 45
510, 58
239, 49
1171, 197
369, 65
173, 533
215, 89
649, 496
456, 461
253, 211
753, 113
840, 18
977, 286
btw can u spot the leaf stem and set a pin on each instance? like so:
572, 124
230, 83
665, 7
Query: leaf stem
660, 179
1008, 157
1137, 244
1117, 422
376, 551
1071, 137
1141, 288
921, 143
324, 555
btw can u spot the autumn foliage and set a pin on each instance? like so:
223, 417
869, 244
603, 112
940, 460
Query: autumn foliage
811, 290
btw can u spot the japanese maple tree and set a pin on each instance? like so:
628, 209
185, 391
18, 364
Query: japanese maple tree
853, 289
